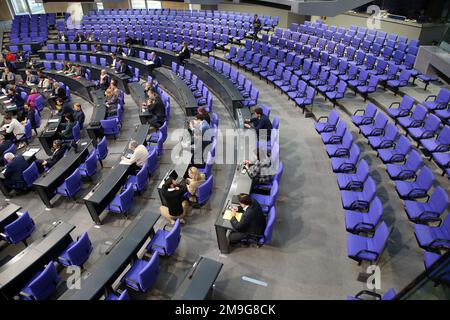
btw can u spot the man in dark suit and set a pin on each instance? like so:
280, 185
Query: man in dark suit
58, 152
259, 122
13, 172
129, 51
66, 108
123, 68
155, 61
252, 223
4, 144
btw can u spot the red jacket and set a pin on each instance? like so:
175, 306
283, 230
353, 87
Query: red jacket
10, 57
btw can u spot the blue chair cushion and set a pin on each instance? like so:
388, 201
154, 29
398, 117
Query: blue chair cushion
158, 242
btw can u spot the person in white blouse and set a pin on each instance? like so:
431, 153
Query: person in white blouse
138, 157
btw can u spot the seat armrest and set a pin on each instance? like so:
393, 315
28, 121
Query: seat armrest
322, 117
431, 96
369, 293
358, 110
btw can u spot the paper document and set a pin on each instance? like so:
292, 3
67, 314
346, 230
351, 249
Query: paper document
28, 153
227, 215
53, 120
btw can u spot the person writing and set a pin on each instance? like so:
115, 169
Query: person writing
177, 206
184, 53
123, 68
12, 128
16, 165
259, 122
195, 179
58, 151
259, 169
138, 156
252, 223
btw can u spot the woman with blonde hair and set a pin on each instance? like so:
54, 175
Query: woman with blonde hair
195, 180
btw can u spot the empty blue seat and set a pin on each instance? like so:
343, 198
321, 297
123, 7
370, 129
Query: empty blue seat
123, 295
356, 222
423, 212
440, 144
143, 274
122, 202
334, 136
418, 188
367, 117
351, 181
19, 230
433, 238
398, 153
71, 186
89, 167
77, 253
359, 200
377, 128
330, 123
368, 249
407, 170
340, 149
267, 201
348, 164
165, 242
138, 182
43, 285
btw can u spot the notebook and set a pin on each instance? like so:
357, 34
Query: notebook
227, 215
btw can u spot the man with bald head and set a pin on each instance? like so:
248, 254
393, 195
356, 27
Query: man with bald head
16, 165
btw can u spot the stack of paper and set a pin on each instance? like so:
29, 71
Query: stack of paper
227, 215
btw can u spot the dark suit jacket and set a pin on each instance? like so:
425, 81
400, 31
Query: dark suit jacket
106, 83
66, 108
262, 123
252, 221
80, 117
129, 52
123, 69
13, 172
4, 146
61, 93
58, 154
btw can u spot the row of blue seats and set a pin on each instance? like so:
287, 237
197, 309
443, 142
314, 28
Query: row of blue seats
402, 164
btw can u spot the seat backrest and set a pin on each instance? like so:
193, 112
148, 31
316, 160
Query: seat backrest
91, 163
79, 252
44, 285
173, 238
425, 178
74, 181
126, 198
20, 227
443, 96
142, 178
333, 118
102, 148
444, 136
205, 190
30, 174
362, 171
271, 218
439, 200
389, 295
390, 132
148, 274
419, 112
380, 237
407, 103
380, 121
403, 145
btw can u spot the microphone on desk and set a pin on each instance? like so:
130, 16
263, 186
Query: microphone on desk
194, 267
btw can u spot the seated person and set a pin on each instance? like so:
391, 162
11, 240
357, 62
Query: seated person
4, 144
7, 76
155, 61
184, 53
123, 68
259, 122
128, 40
259, 169
12, 85
78, 114
150, 86
62, 36
114, 60
76, 70
252, 223
16, 98
12, 129
63, 108
31, 79
57, 92
157, 111
79, 37
44, 83
202, 111
67, 126
97, 48
16, 165
177, 206
32, 97
66, 67
90, 37
58, 151
104, 80
138, 157
128, 51
111, 100
195, 179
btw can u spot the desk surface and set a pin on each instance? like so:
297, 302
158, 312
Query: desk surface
8, 211
47, 178
35, 251
106, 270
199, 280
